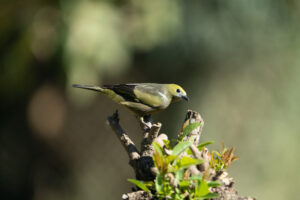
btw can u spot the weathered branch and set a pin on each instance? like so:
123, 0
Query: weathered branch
141, 162
127, 143
141, 195
143, 165
154, 132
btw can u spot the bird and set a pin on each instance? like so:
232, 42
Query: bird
141, 98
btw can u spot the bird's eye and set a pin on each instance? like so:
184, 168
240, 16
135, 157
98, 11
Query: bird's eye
178, 91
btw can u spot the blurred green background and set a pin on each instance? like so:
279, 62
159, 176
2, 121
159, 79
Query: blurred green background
238, 60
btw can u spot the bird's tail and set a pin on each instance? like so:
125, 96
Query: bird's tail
89, 87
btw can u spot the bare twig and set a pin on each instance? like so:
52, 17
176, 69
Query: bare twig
195, 151
154, 132
194, 171
127, 143
201, 155
149, 136
142, 163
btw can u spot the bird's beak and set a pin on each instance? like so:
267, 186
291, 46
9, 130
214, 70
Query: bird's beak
185, 97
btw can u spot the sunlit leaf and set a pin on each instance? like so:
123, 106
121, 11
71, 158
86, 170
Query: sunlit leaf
196, 177
179, 174
159, 183
180, 147
189, 128
210, 196
158, 156
157, 148
170, 158
184, 184
188, 161
189, 152
167, 143
158, 161
202, 189
139, 184
213, 184
200, 146
149, 184
217, 153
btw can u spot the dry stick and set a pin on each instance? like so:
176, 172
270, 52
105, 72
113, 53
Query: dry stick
201, 155
127, 143
146, 125
154, 132
195, 151
148, 136
142, 163
147, 149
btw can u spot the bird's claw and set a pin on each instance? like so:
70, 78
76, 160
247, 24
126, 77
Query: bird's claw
146, 122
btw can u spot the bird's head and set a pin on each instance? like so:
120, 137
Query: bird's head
177, 92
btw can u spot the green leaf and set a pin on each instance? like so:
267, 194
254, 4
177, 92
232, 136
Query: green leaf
202, 189
217, 153
210, 196
179, 174
196, 177
189, 128
140, 184
158, 156
178, 195
167, 143
184, 183
157, 148
189, 152
149, 184
159, 183
170, 158
200, 146
213, 184
180, 147
188, 161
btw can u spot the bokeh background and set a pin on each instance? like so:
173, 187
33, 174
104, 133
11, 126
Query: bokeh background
238, 60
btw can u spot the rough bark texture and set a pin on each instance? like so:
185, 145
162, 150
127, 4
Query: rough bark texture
142, 163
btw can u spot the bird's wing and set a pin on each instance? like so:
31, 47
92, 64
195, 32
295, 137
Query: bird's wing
124, 90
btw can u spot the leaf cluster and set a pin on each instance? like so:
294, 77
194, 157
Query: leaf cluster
220, 160
174, 180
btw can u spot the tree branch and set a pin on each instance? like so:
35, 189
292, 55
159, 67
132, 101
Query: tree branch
143, 165
127, 143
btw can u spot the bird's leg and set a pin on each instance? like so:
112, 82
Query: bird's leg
146, 122
148, 119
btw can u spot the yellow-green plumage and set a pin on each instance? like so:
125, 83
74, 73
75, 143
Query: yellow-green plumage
141, 98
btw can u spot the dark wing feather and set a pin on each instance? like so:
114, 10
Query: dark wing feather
124, 90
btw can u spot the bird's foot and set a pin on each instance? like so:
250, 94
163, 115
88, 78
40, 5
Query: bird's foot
146, 122
148, 119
